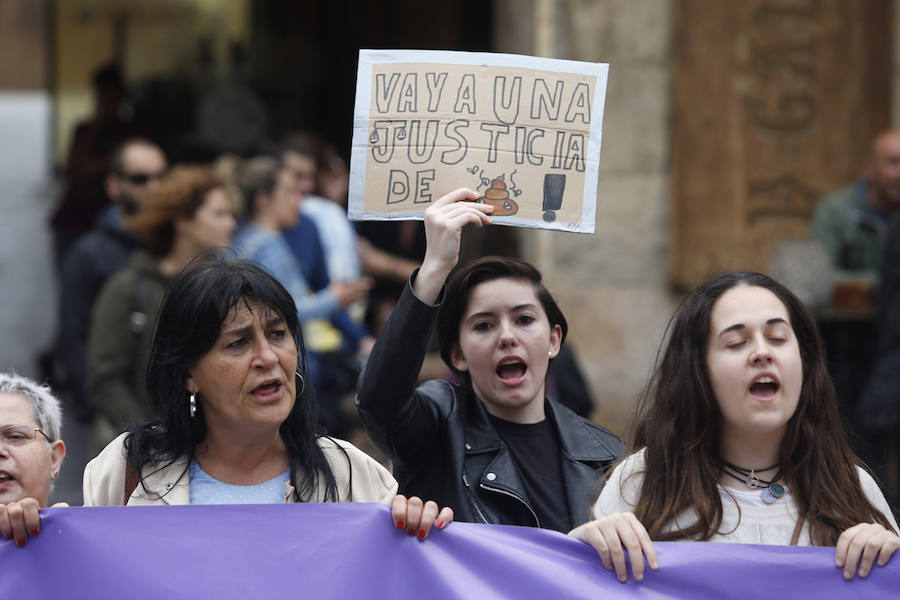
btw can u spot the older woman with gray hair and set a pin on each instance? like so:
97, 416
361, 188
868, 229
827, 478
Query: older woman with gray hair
31, 453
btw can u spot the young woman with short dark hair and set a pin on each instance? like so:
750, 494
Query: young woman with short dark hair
493, 447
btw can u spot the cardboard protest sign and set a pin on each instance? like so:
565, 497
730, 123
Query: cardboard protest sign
522, 131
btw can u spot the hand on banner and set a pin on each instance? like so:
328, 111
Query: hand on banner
418, 517
18, 519
444, 221
861, 544
609, 534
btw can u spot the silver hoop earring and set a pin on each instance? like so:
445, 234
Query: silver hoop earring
302, 383
192, 405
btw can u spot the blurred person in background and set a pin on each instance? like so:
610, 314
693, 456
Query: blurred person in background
878, 411
851, 222
31, 453
188, 213
390, 252
134, 171
337, 235
272, 205
325, 245
332, 177
324, 179
86, 166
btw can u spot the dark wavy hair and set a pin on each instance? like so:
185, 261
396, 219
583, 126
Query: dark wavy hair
190, 319
486, 269
679, 423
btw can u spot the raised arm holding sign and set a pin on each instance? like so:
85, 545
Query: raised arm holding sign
493, 446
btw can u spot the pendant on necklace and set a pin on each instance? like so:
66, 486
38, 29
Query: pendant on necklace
772, 493
752, 480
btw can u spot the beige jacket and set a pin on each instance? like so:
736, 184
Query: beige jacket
104, 478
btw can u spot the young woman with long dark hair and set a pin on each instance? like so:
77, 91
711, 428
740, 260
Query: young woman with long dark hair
738, 439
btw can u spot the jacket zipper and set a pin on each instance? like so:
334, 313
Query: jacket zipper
474, 500
498, 490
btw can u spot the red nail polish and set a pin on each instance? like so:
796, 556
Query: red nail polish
411, 532
400, 524
33, 532
20, 543
439, 524
421, 534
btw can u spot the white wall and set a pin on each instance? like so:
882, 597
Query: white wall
27, 287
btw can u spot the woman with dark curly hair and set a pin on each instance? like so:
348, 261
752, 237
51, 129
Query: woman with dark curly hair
235, 419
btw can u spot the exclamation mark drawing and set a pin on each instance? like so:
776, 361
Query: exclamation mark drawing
554, 186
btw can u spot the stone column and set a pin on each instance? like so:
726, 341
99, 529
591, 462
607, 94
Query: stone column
775, 103
612, 285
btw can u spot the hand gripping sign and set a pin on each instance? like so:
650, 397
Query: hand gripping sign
522, 131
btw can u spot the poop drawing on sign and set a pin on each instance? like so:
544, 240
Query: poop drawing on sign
497, 192
497, 195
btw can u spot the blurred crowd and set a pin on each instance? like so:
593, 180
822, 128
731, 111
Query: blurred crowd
129, 221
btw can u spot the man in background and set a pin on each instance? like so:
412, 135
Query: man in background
134, 171
852, 221
93, 143
851, 224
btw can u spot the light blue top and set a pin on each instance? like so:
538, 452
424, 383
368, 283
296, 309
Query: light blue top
269, 250
206, 490
338, 237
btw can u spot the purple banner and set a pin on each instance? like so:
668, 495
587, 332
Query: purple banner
353, 551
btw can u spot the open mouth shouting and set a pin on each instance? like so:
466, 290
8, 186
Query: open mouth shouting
268, 390
764, 387
511, 370
6, 479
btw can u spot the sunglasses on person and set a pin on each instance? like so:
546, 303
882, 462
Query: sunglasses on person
19, 435
140, 178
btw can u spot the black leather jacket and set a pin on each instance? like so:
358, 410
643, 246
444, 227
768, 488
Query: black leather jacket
443, 444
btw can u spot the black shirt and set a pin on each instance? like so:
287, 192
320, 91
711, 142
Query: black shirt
536, 453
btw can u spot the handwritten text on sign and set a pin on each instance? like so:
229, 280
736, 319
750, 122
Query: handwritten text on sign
520, 137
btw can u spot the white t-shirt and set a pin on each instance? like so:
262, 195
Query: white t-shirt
755, 523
